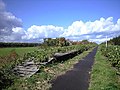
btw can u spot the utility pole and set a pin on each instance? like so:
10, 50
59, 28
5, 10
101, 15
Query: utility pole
106, 42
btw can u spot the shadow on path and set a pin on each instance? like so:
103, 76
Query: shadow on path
78, 77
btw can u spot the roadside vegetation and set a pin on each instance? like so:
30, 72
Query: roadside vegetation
112, 52
15, 56
105, 74
42, 79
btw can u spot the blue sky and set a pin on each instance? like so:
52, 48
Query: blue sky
37, 19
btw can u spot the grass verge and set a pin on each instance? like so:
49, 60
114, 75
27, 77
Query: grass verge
41, 80
103, 76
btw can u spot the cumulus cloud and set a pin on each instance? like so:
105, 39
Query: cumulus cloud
93, 31
7, 22
15, 36
79, 28
11, 29
48, 31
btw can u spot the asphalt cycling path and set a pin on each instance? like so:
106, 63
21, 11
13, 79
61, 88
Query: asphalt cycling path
77, 78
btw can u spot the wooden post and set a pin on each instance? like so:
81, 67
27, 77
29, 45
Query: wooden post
106, 42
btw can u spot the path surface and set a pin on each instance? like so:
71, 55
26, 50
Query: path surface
78, 77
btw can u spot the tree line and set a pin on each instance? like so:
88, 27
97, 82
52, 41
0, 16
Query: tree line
115, 41
12, 44
63, 42
47, 42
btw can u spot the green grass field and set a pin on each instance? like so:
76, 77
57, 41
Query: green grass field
19, 50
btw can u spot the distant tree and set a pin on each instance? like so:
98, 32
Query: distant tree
56, 42
115, 41
85, 41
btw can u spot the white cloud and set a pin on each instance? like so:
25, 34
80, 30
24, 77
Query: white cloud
7, 23
79, 28
98, 36
11, 29
43, 32
93, 30
18, 30
99, 40
15, 36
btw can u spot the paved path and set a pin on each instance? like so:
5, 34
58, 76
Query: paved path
78, 77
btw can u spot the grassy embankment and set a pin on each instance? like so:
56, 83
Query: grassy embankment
103, 75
